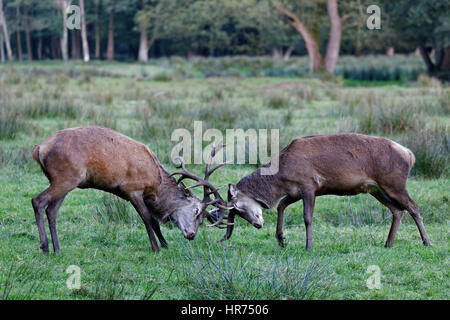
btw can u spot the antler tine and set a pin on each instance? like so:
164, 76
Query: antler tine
184, 173
214, 150
209, 172
181, 165
220, 222
214, 190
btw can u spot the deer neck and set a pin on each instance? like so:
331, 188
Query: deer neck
169, 197
268, 188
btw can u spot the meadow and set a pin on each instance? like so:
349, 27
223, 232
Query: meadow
104, 236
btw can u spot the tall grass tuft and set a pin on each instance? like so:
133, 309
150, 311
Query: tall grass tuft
356, 211
431, 147
12, 282
222, 273
19, 157
113, 209
11, 122
387, 120
114, 285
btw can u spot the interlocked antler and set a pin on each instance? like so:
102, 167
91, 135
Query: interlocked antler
216, 215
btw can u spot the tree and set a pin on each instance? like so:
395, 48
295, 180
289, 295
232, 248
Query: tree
62, 5
148, 20
2, 49
97, 4
307, 19
426, 25
110, 46
84, 39
4, 27
115, 7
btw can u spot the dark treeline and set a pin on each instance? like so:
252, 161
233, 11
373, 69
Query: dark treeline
143, 29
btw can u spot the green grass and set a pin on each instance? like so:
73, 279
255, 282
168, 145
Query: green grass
106, 239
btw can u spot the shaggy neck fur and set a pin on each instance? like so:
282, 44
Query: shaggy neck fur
266, 188
170, 196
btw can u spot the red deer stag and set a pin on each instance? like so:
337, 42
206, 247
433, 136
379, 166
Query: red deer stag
100, 158
339, 164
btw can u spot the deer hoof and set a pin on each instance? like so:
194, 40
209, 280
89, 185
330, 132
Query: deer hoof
282, 241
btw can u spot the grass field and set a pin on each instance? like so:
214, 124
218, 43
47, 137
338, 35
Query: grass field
105, 238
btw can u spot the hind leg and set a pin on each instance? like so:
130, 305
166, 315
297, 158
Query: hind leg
397, 215
51, 199
413, 209
39, 203
403, 200
52, 214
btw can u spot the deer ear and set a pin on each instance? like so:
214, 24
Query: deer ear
263, 203
232, 191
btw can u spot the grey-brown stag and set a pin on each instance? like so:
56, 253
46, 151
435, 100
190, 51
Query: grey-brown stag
100, 158
338, 164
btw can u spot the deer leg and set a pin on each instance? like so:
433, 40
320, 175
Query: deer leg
410, 205
308, 210
52, 214
397, 215
157, 229
413, 210
51, 195
39, 203
286, 201
230, 227
138, 203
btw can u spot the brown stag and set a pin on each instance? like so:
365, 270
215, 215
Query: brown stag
338, 164
100, 158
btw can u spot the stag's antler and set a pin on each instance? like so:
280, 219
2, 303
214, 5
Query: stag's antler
217, 215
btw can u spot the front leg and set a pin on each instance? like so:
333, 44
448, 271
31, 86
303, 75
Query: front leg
308, 210
156, 228
286, 201
138, 203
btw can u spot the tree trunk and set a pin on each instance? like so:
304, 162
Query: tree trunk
390, 52
5, 33
143, 49
426, 58
288, 52
39, 48
18, 38
55, 44
315, 58
276, 53
27, 34
446, 61
335, 36
110, 48
75, 35
97, 31
65, 34
2, 50
84, 39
